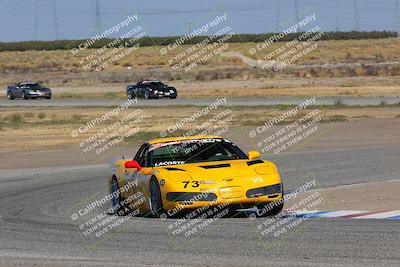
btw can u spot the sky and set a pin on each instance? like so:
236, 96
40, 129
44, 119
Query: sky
23, 20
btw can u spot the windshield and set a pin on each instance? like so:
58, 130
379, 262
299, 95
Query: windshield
34, 86
192, 151
156, 85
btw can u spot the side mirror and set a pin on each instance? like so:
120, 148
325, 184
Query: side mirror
253, 155
132, 164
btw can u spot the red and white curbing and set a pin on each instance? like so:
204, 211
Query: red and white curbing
347, 214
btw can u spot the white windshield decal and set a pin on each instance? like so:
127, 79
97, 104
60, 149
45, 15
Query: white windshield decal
165, 163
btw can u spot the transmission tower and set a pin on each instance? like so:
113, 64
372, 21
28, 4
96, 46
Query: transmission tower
56, 31
337, 25
296, 9
356, 16
190, 22
98, 18
278, 17
36, 20
397, 16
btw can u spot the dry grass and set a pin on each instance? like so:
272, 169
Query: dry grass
343, 51
20, 131
360, 51
57, 68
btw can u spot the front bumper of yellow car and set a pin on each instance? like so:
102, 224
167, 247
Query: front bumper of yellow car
228, 196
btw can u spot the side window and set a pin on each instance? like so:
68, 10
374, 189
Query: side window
139, 152
143, 157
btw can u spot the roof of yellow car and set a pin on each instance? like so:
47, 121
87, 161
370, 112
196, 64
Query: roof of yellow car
172, 139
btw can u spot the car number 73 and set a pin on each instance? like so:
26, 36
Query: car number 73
192, 184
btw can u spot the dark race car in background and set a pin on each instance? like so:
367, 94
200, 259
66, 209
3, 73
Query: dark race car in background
28, 90
150, 90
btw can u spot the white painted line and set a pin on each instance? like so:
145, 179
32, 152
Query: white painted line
300, 212
379, 215
341, 213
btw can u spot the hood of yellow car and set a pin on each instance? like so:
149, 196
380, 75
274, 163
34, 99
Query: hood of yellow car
217, 171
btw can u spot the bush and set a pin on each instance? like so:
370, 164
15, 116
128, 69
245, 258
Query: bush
29, 114
163, 41
337, 118
76, 117
15, 119
42, 115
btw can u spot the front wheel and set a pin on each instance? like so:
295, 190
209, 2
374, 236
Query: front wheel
48, 97
24, 95
147, 95
156, 206
10, 96
116, 205
270, 209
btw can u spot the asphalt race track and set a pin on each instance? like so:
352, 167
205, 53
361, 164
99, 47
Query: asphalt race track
362, 101
36, 228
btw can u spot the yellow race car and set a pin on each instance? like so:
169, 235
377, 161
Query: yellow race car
171, 175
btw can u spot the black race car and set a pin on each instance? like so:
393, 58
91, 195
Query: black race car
28, 90
150, 90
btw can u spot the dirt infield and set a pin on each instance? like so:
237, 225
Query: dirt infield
379, 196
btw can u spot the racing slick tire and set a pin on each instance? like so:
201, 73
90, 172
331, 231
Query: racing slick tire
24, 95
116, 206
156, 206
10, 96
172, 97
48, 97
130, 96
147, 95
277, 208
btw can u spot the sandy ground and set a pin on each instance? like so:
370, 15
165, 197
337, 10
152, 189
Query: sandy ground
379, 196
54, 130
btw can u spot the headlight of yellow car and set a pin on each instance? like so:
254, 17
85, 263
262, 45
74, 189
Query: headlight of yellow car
178, 177
266, 169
